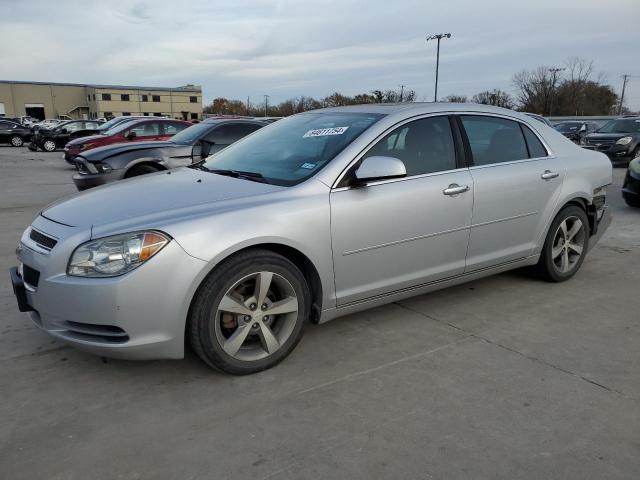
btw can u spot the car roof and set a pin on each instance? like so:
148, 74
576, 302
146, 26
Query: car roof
417, 108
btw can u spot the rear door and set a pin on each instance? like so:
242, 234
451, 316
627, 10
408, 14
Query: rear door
516, 187
397, 234
5, 130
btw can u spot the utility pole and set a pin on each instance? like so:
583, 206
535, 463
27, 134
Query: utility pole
401, 92
248, 103
624, 86
266, 105
554, 71
437, 37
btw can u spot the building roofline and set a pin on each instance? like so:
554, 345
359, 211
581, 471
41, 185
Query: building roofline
186, 88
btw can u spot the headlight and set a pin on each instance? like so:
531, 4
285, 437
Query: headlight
624, 141
115, 255
102, 167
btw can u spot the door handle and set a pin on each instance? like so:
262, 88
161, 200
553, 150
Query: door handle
548, 175
455, 189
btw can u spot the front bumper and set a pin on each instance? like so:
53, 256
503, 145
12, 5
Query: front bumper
620, 155
139, 315
631, 187
84, 181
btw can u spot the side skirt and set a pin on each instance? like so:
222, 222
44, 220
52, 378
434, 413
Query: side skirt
421, 289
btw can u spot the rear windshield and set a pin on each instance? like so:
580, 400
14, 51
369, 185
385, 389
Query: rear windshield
291, 150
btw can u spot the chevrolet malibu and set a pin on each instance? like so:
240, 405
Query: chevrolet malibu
316, 216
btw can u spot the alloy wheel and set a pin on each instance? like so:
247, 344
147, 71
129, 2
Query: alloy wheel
49, 145
568, 244
16, 141
256, 316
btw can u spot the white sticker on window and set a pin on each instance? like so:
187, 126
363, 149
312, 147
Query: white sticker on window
308, 166
323, 132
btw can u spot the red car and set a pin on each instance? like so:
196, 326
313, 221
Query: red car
133, 131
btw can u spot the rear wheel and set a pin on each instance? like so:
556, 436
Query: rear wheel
565, 246
141, 170
49, 146
17, 141
250, 313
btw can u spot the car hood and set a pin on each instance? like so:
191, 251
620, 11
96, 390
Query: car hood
106, 151
81, 140
608, 136
151, 196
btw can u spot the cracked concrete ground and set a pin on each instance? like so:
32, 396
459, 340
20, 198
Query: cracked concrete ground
505, 377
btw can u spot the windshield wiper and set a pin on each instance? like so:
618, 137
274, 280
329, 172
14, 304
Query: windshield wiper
200, 166
253, 176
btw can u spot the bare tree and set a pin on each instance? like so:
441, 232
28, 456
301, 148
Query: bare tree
535, 88
453, 98
494, 97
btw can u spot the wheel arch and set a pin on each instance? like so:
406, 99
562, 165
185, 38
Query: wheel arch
297, 257
152, 162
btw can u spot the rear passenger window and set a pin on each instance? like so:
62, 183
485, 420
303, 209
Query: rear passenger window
536, 149
424, 146
494, 140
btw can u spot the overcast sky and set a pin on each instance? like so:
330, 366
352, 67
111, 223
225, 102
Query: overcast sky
239, 48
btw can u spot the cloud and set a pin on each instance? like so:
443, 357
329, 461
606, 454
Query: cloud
286, 48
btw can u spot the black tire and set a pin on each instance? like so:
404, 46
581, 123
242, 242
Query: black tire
202, 316
546, 268
141, 170
16, 141
631, 201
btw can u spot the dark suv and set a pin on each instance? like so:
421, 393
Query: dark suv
619, 139
57, 137
575, 130
114, 162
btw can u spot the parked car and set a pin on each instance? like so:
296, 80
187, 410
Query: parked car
102, 165
619, 139
50, 140
138, 130
631, 185
313, 217
47, 124
540, 118
575, 130
14, 133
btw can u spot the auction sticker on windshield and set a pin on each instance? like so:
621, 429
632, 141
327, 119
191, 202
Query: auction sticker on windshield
323, 132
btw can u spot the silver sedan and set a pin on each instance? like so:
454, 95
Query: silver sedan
318, 215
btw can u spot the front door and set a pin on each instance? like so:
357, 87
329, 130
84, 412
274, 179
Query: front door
401, 233
517, 185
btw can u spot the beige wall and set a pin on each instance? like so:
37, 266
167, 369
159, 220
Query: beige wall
56, 99
65, 100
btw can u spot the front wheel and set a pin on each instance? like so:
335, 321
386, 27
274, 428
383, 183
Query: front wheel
565, 246
49, 146
250, 313
17, 141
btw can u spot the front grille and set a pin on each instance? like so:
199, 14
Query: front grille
42, 240
30, 275
94, 333
600, 144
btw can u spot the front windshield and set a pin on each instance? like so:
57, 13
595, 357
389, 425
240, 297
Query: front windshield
191, 134
291, 150
631, 125
107, 125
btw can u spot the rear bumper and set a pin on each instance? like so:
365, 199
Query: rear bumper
601, 226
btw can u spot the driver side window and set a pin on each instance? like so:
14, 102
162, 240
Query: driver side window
424, 146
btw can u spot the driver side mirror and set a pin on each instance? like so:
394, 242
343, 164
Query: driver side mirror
379, 168
205, 148
583, 128
131, 135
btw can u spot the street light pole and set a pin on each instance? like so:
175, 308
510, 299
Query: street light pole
266, 105
401, 92
554, 71
437, 37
